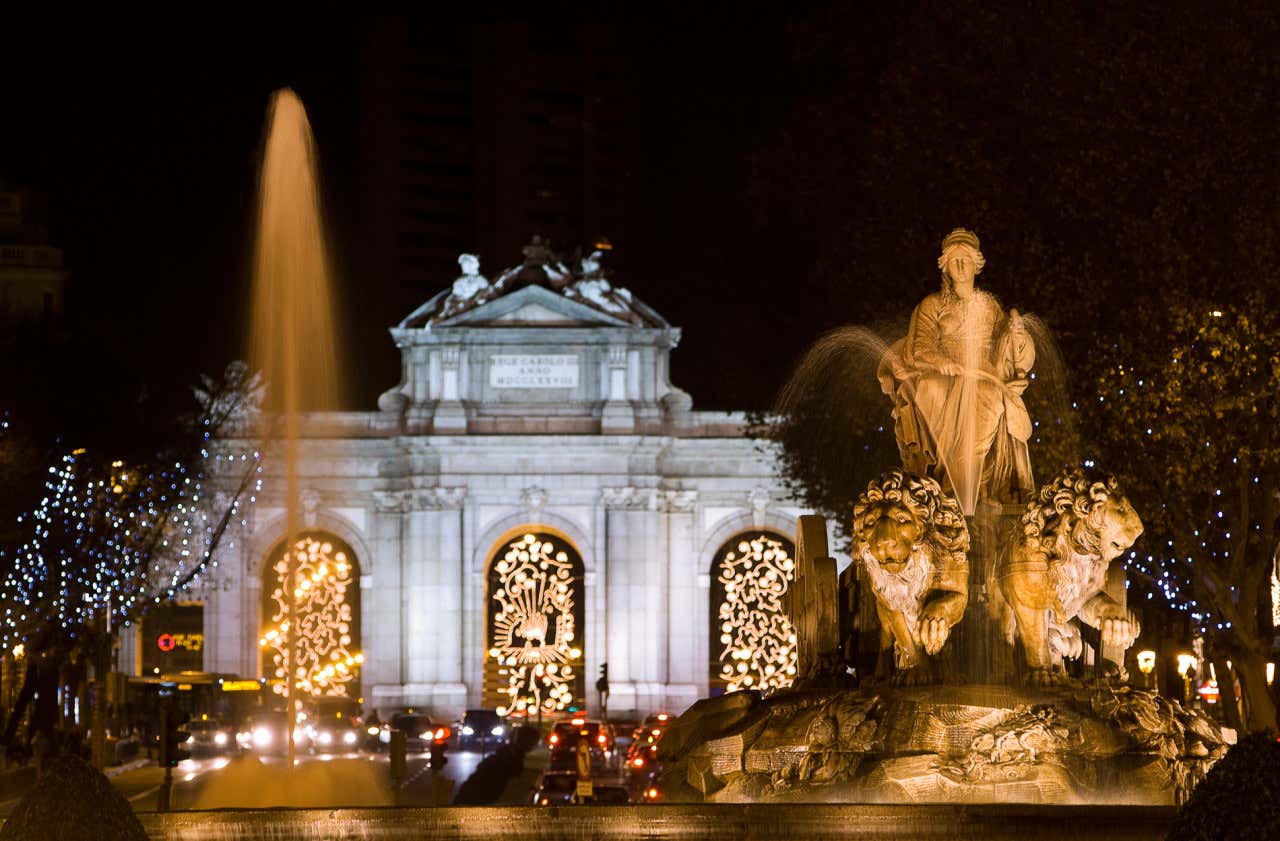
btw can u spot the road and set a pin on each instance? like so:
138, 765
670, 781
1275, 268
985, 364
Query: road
354, 779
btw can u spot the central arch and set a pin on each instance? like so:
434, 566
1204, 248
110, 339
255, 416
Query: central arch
534, 617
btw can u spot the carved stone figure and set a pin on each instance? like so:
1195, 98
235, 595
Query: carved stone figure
912, 542
957, 380
1056, 569
469, 290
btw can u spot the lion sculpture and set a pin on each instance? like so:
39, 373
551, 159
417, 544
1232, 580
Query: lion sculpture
913, 544
1057, 569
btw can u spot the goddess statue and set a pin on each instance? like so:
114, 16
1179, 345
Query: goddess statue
956, 380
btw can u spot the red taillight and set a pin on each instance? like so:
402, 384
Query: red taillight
554, 738
638, 762
652, 794
600, 738
442, 733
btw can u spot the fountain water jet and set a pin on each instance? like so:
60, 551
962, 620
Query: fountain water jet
292, 333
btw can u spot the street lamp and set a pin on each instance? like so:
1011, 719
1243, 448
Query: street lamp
1146, 665
1185, 662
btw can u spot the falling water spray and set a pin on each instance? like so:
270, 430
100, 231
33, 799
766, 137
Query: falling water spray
292, 332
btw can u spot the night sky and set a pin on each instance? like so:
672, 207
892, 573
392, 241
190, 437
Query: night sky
758, 128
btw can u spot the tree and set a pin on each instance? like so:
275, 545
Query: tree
1207, 406
110, 539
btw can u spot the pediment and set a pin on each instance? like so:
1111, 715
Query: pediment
533, 306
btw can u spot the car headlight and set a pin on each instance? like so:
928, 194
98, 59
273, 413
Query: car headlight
219, 739
325, 738
497, 731
373, 731
349, 737
385, 737
467, 731
262, 737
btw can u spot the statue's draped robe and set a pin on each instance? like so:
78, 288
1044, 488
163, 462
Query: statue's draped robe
972, 428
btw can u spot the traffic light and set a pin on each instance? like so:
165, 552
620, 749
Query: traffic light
173, 740
602, 685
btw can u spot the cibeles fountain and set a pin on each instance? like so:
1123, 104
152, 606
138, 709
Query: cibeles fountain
977, 588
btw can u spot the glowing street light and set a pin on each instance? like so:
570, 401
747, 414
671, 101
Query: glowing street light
1185, 662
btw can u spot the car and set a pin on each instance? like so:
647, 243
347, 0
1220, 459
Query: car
332, 735
641, 761
555, 788
564, 739
210, 737
558, 788
484, 729
421, 735
265, 733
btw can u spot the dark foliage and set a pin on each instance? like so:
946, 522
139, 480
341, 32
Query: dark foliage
72, 801
1240, 797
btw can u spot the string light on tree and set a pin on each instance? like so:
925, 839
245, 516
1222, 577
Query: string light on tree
110, 539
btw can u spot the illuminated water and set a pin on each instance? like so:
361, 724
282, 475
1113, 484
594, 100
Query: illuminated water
293, 333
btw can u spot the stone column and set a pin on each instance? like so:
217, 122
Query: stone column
450, 416
618, 416
432, 601
631, 519
381, 603
685, 670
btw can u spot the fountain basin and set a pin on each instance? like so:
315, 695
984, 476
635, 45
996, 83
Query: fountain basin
710, 821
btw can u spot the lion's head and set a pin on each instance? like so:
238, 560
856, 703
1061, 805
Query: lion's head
899, 513
1094, 514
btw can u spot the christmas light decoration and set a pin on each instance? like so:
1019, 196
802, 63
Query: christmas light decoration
756, 640
324, 581
110, 539
534, 625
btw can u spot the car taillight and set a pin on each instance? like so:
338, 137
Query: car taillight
442, 733
600, 738
638, 762
554, 738
652, 794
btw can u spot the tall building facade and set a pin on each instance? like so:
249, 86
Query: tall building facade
32, 276
533, 500
475, 134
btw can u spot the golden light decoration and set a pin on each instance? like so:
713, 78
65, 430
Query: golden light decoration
757, 642
326, 663
1275, 599
533, 632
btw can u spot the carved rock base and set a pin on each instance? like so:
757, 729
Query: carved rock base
1086, 743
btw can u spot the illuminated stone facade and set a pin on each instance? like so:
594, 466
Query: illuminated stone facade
538, 403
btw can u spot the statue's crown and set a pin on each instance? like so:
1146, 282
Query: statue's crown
961, 236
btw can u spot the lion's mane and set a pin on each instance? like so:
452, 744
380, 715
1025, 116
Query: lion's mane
1073, 504
945, 533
